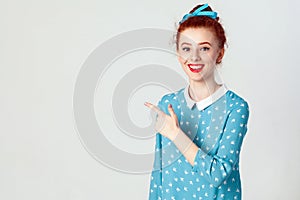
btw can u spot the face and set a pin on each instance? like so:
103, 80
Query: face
198, 52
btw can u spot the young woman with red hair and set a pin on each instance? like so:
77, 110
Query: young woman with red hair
200, 128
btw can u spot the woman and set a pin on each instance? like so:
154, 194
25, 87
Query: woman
200, 128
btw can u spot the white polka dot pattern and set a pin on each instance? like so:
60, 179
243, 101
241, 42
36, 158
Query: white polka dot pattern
218, 130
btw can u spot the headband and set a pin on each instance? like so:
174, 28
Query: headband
200, 12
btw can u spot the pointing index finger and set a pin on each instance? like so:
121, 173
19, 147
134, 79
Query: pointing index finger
153, 107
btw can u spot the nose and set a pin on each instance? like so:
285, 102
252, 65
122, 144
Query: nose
195, 55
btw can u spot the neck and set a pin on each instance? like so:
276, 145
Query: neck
199, 90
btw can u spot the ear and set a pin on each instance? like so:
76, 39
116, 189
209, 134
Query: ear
220, 57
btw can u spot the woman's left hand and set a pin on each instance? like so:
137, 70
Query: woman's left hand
167, 125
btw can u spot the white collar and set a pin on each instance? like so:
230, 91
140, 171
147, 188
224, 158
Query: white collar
207, 101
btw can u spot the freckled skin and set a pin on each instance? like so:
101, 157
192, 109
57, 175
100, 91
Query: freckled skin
202, 48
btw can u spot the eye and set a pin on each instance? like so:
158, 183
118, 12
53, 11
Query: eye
186, 48
204, 49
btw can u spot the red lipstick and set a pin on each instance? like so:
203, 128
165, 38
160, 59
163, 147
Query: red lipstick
195, 68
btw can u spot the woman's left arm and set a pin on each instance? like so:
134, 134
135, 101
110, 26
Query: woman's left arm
216, 168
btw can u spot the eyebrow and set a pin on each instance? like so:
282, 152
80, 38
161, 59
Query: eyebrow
201, 43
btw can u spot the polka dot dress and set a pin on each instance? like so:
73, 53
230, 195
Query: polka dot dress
217, 125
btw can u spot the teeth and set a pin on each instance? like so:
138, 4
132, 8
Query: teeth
194, 67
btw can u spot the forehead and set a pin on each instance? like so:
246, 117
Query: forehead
197, 35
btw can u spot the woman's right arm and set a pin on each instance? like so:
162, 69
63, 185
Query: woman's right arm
155, 191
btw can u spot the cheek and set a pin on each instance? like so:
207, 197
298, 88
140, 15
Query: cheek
183, 55
182, 60
210, 57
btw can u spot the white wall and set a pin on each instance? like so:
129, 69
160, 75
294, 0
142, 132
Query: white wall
43, 46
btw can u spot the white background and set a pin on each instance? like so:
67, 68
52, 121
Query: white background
43, 45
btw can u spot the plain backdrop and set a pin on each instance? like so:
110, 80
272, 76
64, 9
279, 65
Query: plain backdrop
43, 45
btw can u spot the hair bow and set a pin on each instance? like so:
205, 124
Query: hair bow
200, 12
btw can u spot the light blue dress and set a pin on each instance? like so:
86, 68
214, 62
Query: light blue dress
217, 125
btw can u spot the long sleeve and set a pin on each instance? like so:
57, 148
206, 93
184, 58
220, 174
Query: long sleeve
155, 191
156, 175
216, 168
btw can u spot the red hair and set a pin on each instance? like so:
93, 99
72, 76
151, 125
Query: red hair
203, 22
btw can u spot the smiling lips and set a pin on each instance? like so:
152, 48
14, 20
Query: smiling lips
195, 68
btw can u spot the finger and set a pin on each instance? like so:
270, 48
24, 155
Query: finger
153, 107
171, 111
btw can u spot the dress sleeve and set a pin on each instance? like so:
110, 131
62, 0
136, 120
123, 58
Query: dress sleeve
155, 191
156, 175
216, 168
